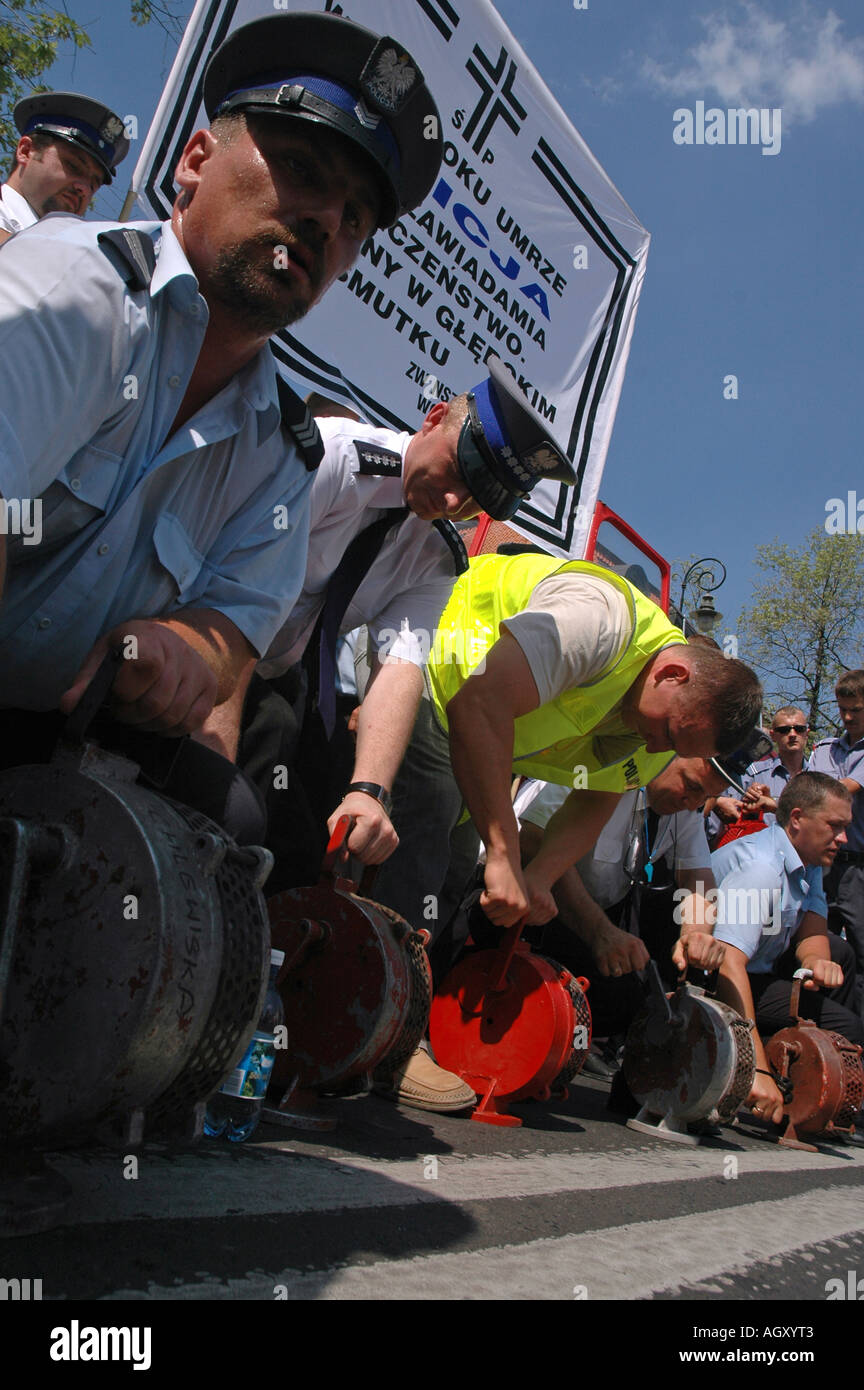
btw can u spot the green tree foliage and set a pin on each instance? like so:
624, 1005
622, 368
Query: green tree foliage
31, 32
29, 37
806, 622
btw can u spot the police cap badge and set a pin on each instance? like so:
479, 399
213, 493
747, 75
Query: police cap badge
328, 70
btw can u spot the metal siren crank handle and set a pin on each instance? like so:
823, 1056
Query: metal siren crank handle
655, 987
337, 843
691, 973
93, 699
795, 997
24, 847
498, 982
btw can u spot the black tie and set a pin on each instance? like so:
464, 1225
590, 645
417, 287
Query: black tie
319, 658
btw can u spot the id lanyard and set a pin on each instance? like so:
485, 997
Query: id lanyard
648, 869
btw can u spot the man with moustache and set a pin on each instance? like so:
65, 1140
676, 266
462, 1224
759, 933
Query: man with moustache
141, 404
69, 147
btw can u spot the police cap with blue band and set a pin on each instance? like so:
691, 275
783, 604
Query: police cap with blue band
732, 766
332, 72
88, 125
505, 447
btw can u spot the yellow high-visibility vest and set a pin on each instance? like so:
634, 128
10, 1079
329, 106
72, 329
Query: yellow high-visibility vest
579, 738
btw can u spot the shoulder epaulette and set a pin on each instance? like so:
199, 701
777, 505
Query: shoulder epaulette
298, 421
134, 255
375, 461
455, 544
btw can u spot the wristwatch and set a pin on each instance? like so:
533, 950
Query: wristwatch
373, 789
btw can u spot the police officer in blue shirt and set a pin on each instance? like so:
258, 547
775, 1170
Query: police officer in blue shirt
765, 780
70, 145
143, 422
843, 757
771, 913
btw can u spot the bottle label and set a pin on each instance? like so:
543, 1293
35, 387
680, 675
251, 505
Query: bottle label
251, 1078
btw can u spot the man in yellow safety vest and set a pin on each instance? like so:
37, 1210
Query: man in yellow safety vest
562, 671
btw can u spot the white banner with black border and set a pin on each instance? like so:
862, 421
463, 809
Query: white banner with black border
524, 248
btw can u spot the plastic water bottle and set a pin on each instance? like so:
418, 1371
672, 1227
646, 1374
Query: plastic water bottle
233, 1111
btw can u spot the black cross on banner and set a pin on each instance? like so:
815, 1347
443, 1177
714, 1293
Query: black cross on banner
488, 83
442, 15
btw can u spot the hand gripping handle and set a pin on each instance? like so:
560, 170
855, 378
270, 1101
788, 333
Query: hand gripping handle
93, 699
795, 996
337, 843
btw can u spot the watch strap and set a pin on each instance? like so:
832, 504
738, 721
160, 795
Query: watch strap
373, 789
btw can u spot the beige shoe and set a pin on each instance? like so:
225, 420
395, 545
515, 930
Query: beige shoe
421, 1083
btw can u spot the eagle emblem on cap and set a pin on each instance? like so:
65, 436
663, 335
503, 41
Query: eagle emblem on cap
392, 79
112, 129
542, 459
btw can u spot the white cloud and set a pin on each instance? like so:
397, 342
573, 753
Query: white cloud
801, 63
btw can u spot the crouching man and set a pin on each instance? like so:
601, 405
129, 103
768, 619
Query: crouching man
772, 915
654, 833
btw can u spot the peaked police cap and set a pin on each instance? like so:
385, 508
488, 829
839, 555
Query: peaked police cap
80, 121
505, 447
332, 72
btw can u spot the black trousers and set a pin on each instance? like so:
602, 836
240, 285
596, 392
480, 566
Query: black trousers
300, 773
844, 889
832, 1009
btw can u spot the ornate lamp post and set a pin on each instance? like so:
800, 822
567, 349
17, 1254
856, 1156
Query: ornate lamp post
704, 617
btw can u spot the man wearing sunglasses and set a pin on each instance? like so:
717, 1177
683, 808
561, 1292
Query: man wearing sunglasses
765, 780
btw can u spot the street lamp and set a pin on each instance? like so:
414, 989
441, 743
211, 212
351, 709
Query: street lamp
704, 617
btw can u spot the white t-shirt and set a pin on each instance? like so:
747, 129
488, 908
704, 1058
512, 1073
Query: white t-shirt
574, 628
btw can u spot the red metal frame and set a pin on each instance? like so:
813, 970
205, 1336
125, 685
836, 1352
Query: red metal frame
603, 513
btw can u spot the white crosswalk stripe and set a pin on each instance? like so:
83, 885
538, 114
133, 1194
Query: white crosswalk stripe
202, 1185
631, 1261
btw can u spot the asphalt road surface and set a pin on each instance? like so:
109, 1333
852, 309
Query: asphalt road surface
399, 1204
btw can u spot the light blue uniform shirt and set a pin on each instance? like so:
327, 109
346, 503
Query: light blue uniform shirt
838, 758
134, 525
764, 890
774, 774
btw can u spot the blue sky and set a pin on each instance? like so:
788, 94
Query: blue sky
753, 269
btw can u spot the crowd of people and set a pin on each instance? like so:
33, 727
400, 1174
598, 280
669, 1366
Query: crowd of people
539, 718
